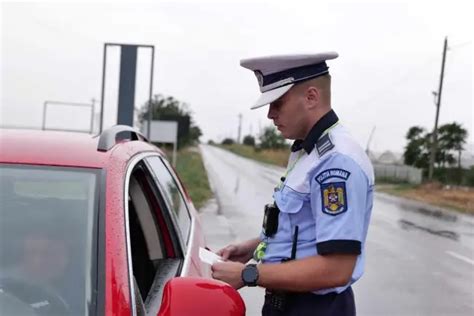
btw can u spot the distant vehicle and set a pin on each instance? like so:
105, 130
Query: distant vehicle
100, 226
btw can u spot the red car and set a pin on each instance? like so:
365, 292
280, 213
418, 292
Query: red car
99, 226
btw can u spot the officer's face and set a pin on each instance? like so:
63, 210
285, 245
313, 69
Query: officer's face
289, 115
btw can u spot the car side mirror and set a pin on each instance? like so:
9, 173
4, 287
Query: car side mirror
184, 296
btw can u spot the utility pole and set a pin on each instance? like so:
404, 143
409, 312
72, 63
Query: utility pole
367, 150
434, 145
240, 128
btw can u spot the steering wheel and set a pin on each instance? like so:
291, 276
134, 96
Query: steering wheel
41, 299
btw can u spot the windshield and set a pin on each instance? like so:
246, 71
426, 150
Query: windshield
47, 262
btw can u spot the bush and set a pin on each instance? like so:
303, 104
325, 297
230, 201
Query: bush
228, 141
470, 177
249, 140
271, 139
454, 176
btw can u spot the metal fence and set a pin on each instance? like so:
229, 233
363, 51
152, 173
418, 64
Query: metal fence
397, 173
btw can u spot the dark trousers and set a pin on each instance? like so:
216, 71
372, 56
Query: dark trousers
302, 304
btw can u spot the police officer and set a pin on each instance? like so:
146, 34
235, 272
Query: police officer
311, 249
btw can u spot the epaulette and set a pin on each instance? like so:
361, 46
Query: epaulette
324, 144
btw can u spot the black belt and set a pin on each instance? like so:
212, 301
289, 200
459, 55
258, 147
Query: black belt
287, 303
309, 294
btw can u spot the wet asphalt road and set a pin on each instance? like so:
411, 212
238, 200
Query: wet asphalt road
420, 261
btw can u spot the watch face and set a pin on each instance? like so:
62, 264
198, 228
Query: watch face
249, 275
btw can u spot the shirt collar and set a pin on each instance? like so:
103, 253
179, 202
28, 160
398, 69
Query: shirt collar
328, 120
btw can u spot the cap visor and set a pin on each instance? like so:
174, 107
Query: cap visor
270, 96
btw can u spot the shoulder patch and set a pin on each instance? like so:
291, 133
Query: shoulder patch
324, 144
332, 173
333, 196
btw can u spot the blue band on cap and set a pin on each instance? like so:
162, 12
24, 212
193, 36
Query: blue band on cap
298, 74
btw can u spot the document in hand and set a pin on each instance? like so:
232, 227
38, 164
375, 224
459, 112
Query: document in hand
208, 256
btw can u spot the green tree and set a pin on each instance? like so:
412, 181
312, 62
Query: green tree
249, 140
171, 109
271, 139
416, 151
452, 138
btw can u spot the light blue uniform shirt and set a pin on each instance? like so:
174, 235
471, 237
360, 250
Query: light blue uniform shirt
328, 194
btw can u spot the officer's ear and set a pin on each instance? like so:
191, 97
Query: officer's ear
312, 96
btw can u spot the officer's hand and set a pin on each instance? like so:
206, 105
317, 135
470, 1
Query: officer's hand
235, 253
229, 272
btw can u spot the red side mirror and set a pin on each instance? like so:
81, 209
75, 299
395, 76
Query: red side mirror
185, 296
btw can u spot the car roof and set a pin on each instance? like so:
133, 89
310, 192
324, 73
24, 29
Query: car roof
60, 148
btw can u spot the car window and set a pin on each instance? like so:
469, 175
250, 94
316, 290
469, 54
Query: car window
145, 238
47, 239
155, 252
173, 194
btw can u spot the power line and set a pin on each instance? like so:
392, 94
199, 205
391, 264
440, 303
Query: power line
403, 78
459, 45
410, 72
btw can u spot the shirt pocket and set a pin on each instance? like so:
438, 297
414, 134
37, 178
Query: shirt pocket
295, 210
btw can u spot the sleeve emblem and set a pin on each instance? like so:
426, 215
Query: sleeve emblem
334, 198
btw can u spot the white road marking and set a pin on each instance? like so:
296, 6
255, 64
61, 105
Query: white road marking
460, 257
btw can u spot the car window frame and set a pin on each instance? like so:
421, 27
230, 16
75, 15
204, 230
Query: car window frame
143, 208
192, 229
100, 246
133, 162
165, 163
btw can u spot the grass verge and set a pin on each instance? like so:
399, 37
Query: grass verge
455, 198
191, 170
271, 156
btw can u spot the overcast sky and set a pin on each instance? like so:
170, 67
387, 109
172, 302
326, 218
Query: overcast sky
389, 64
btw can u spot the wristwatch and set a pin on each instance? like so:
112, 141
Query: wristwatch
250, 275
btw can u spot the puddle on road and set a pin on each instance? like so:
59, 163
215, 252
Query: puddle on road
432, 220
437, 214
407, 225
418, 207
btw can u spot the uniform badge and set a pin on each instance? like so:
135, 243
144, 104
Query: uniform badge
334, 198
324, 144
333, 194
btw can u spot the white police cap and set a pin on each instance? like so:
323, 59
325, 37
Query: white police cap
277, 74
